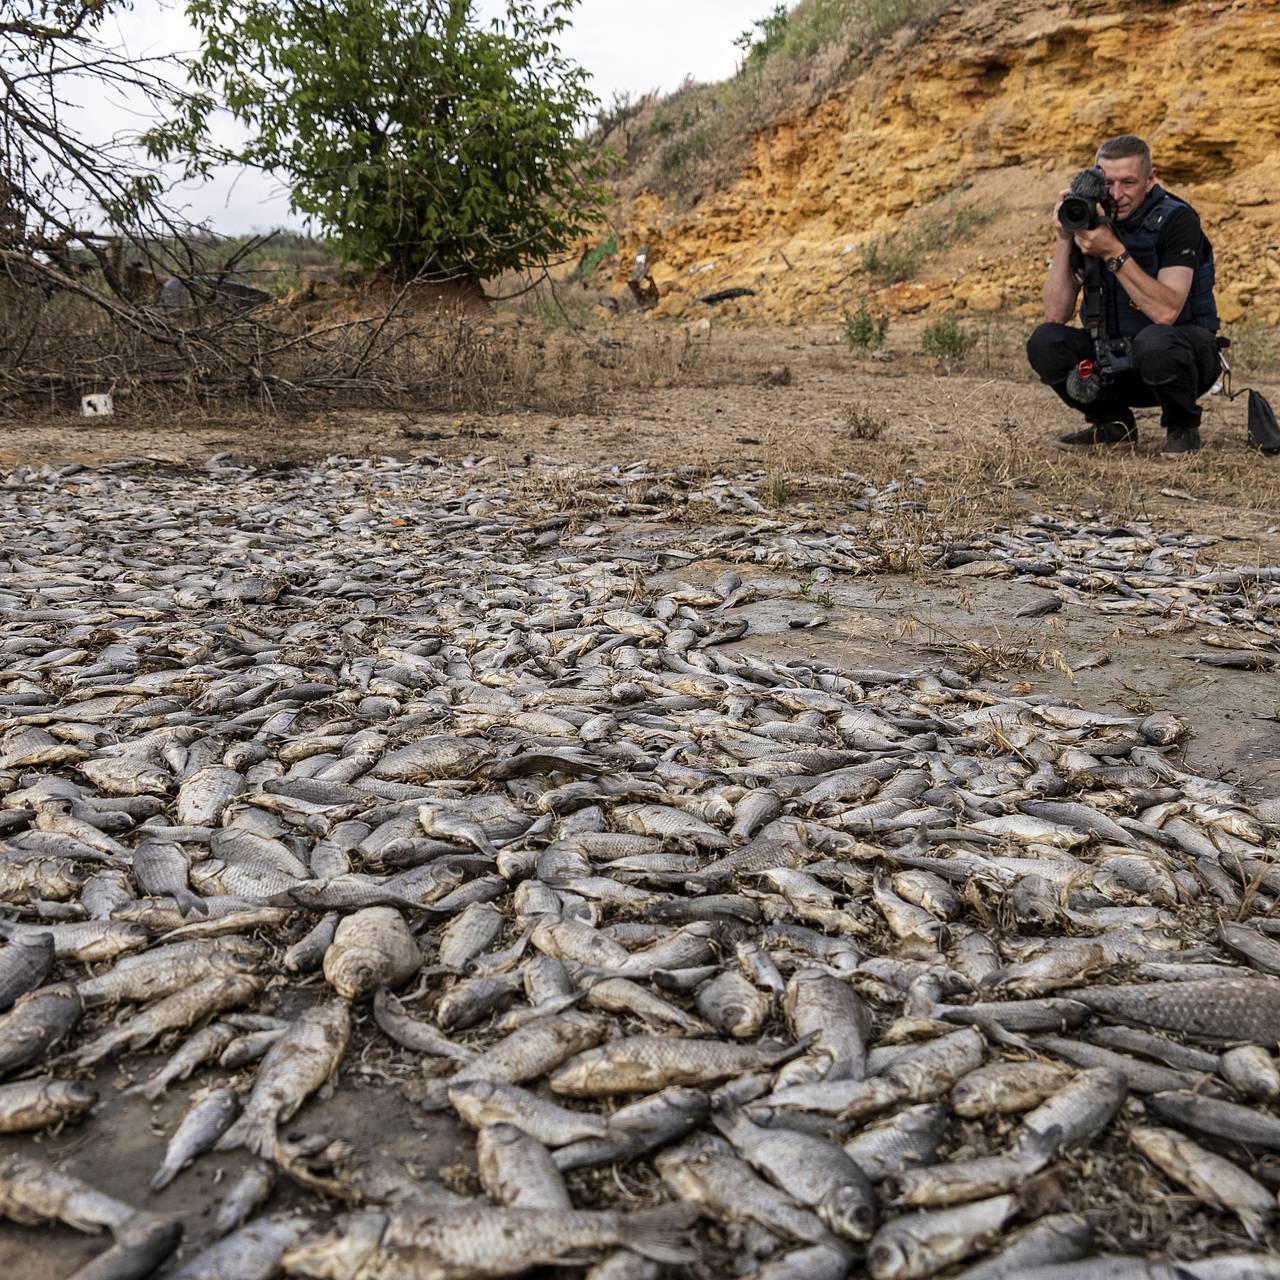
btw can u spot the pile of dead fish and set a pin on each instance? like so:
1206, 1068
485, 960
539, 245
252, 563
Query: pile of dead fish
836, 972
1152, 578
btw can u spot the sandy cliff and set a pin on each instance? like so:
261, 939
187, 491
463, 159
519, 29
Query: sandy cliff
994, 107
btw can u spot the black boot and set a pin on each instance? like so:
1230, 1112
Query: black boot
1186, 440
1118, 432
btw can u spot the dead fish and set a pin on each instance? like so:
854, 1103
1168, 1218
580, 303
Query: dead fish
413, 1033
732, 1005
705, 1171
206, 1045
180, 1009
248, 1193
37, 1023
1217, 1118
838, 1021
960, 1181
164, 970
1004, 1088
922, 1244
1139, 1076
1251, 1070
469, 934
440, 756
208, 1118
637, 1128
474, 999
527, 1053
24, 965
32, 1192
640, 1064
814, 1172
372, 948
140, 1246
306, 1058
489, 1102
909, 1138
1056, 1239
252, 1252
492, 1241
1209, 1177
517, 1170
1213, 1010
31, 1105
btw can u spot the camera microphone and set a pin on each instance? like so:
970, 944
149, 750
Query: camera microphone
1090, 183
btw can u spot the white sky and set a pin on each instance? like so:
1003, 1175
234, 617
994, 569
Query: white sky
625, 46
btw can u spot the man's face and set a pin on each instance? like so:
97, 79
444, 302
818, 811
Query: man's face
1126, 183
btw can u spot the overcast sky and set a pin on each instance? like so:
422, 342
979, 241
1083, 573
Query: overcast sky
625, 47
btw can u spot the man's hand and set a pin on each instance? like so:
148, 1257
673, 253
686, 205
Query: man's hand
1101, 242
1057, 208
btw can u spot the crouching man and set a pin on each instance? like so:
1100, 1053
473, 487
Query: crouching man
1157, 291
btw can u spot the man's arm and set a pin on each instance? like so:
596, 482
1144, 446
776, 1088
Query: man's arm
1160, 298
1061, 288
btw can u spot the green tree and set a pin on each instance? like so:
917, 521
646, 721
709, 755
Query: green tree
416, 138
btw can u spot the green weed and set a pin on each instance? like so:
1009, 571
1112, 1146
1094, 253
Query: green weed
948, 339
863, 331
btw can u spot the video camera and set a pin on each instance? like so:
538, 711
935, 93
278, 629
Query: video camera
1079, 212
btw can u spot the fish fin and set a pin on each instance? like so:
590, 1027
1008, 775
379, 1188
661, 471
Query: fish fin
1036, 1148
105, 1045
1254, 1223
656, 1233
727, 1121
190, 903
793, 1050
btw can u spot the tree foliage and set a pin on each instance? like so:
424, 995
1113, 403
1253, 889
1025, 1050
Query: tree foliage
415, 137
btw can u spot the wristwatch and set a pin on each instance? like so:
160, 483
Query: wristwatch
1114, 264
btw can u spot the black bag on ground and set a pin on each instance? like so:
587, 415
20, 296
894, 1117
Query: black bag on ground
1264, 430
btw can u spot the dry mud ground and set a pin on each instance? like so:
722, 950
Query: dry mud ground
795, 406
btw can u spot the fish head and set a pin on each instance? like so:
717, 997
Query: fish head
892, 1258
79, 1094
851, 1211
339, 1254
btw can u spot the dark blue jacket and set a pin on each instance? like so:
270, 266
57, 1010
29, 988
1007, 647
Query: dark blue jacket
1139, 236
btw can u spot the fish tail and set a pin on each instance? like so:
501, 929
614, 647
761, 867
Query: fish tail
162, 1177
254, 1132
788, 1052
658, 1233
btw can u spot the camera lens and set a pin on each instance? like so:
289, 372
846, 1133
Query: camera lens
1075, 213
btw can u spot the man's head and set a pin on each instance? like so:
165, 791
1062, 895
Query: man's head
1126, 163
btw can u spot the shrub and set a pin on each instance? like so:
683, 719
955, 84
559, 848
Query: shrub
862, 424
772, 29
863, 331
948, 339
890, 261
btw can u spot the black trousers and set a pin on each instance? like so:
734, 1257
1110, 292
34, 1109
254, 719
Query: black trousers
1173, 367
